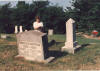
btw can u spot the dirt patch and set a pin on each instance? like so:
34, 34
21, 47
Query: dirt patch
12, 43
8, 43
90, 37
2, 40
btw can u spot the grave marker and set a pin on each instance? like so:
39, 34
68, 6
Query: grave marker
50, 32
16, 29
20, 29
3, 36
33, 45
71, 43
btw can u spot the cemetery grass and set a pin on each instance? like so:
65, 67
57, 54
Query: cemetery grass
87, 58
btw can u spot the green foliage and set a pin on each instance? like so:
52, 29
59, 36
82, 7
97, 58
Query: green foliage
24, 14
86, 13
5, 20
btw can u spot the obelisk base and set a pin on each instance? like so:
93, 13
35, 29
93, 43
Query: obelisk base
69, 49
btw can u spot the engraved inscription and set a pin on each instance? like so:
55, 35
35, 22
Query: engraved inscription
32, 45
30, 49
29, 43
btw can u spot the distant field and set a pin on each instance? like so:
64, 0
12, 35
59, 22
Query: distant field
87, 58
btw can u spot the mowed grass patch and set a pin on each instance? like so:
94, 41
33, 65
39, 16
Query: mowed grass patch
86, 58
10, 40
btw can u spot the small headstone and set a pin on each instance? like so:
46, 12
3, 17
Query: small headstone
71, 43
25, 30
50, 32
4, 36
33, 45
16, 29
20, 29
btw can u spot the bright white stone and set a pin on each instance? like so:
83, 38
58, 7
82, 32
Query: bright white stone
16, 29
50, 32
20, 28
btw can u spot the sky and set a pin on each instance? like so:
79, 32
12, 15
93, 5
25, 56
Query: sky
63, 3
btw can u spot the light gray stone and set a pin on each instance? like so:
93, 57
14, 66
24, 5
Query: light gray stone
16, 29
33, 45
49, 60
26, 30
50, 32
71, 43
20, 29
4, 36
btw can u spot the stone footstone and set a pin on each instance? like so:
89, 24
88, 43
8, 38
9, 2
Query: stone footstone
48, 60
16, 29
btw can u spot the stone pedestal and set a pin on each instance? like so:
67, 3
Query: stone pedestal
71, 43
16, 29
33, 45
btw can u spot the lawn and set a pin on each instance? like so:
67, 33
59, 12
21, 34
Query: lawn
87, 58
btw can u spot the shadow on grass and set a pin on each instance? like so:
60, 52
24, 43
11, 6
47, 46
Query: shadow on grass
52, 42
57, 54
57, 43
82, 47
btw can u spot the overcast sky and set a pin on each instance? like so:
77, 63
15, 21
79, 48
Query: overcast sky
63, 3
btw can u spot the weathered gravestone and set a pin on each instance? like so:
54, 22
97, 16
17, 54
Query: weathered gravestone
71, 43
20, 29
4, 36
16, 29
33, 45
50, 32
26, 30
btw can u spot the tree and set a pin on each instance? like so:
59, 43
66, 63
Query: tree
52, 16
5, 20
86, 13
24, 14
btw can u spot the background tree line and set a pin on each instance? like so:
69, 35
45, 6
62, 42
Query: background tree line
85, 12
24, 14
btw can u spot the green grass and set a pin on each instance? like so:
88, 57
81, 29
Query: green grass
83, 40
86, 58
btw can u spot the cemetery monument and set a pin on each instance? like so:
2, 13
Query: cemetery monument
71, 43
33, 45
